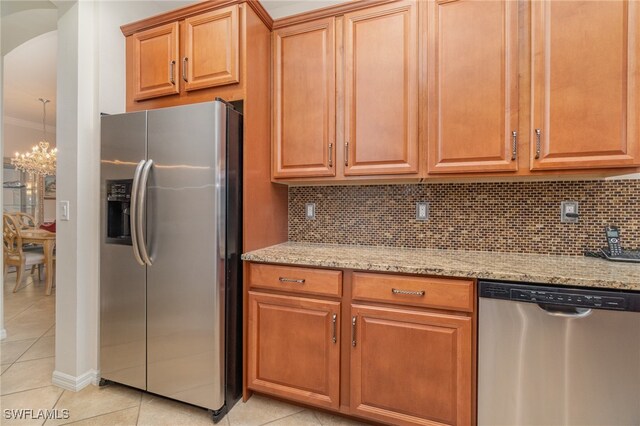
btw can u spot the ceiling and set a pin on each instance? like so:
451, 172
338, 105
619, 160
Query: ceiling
30, 67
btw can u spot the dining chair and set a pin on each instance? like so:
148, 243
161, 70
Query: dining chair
24, 220
14, 254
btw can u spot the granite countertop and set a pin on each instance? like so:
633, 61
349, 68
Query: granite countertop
533, 268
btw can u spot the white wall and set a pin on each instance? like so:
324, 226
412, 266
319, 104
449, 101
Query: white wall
91, 79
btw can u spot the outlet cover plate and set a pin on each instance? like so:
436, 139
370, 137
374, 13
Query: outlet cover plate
310, 211
422, 210
569, 207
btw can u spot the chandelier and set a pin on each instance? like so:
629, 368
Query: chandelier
39, 161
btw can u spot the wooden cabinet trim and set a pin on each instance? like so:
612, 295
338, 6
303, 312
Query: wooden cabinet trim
230, 72
327, 397
327, 165
329, 11
462, 393
324, 282
168, 87
498, 153
628, 152
439, 293
409, 164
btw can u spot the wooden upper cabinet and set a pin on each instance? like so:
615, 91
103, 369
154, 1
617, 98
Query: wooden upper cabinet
411, 367
585, 66
293, 348
473, 86
381, 90
155, 56
211, 49
304, 100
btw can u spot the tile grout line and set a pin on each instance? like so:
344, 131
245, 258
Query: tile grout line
18, 359
98, 415
282, 418
26, 390
139, 408
56, 403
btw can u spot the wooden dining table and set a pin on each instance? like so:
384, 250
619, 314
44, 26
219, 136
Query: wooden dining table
48, 241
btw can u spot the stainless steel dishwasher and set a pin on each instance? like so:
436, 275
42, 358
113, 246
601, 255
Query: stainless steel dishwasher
557, 356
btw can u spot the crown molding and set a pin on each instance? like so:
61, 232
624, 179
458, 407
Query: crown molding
326, 12
191, 10
27, 124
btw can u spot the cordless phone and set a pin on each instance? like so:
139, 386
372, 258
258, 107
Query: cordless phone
613, 239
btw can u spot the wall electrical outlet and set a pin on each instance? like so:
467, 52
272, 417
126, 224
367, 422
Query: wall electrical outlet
310, 211
422, 210
569, 212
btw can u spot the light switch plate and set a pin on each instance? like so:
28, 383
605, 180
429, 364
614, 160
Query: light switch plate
422, 210
64, 210
569, 207
310, 211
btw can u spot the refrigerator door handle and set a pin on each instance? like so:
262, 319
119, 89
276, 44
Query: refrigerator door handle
134, 210
141, 209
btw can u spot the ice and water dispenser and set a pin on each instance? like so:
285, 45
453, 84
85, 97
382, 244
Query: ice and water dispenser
119, 211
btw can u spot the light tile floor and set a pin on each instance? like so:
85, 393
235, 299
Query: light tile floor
28, 362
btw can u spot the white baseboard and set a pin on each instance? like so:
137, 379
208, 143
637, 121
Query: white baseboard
3, 333
74, 383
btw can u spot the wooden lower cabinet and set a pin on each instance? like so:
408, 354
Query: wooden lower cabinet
294, 348
411, 367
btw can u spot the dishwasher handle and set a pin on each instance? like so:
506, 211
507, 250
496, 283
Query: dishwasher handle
565, 311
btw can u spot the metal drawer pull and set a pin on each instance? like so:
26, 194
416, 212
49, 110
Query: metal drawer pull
514, 147
184, 69
291, 280
346, 154
408, 292
353, 331
538, 136
172, 65
334, 319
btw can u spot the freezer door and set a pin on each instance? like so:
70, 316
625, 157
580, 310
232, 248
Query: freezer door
186, 243
536, 368
122, 279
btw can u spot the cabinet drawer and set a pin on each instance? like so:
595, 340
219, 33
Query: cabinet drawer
442, 293
296, 280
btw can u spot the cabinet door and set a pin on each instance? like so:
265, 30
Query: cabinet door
585, 84
473, 109
304, 100
381, 90
211, 49
410, 367
294, 348
155, 53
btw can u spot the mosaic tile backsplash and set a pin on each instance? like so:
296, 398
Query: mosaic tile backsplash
522, 217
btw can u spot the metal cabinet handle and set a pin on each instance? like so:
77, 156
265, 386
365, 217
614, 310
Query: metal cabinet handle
353, 331
291, 280
346, 153
172, 65
565, 312
330, 155
133, 217
140, 211
184, 69
334, 319
408, 292
538, 136
514, 146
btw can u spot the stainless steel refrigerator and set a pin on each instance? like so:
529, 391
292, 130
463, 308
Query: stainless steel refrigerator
170, 287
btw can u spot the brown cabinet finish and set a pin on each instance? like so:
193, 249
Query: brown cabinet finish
211, 49
425, 292
381, 90
411, 367
304, 100
293, 279
294, 348
155, 57
473, 86
584, 84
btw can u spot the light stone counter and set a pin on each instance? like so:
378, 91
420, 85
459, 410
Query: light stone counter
532, 268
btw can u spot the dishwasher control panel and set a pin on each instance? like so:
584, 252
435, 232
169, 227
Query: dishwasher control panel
578, 300
553, 295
